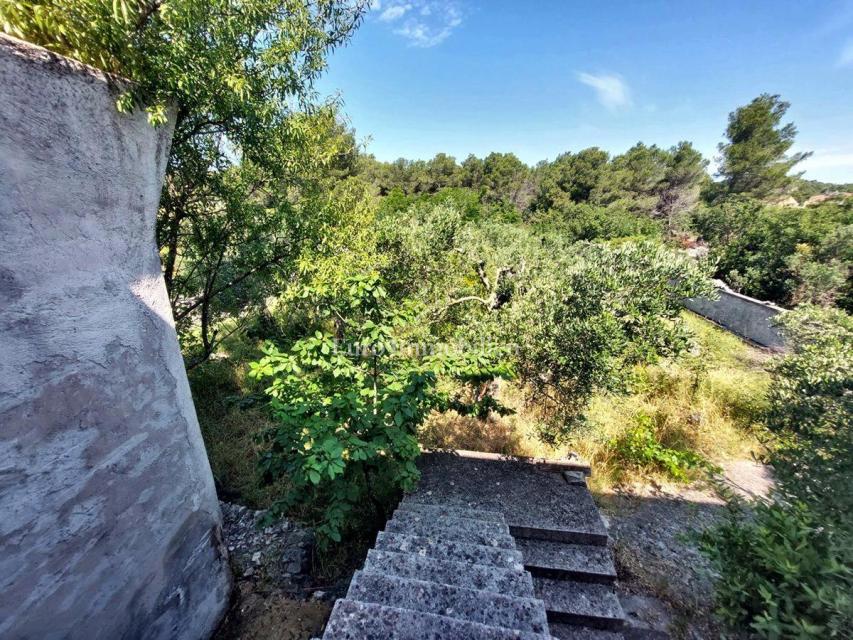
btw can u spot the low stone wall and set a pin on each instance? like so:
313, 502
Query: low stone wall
109, 525
744, 316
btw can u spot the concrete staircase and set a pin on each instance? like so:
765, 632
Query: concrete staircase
556, 526
491, 549
441, 572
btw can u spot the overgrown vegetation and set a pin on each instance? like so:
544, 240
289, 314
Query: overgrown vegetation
347, 402
639, 447
785, 565
784, 254
702, 408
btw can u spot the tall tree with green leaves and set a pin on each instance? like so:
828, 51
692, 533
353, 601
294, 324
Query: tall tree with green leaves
570, 178
506, 179
681, 185
755, 160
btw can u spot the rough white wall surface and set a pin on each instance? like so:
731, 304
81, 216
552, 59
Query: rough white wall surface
109, 523
744, 316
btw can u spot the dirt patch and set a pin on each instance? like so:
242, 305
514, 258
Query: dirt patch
256, 615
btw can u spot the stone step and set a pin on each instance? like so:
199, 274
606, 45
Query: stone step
463, 524
577, 478
535, 502
444, 530
633, 633
492, 609
562, 631
352, 620
571, 518
569, 534
457, 574
581, 562
411, 505
449, 550
580, 603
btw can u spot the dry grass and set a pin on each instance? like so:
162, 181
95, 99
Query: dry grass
708, 403
231, 415
449, 430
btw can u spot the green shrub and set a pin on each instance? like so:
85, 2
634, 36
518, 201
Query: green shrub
347, 404
593, 222
581, 325
782, 573
640, 447
782, 254
345, 415
785, 569
811, 411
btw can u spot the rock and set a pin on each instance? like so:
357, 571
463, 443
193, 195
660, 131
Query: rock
577, 478
646, 613
278, 555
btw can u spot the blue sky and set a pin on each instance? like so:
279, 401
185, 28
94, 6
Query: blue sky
545, 76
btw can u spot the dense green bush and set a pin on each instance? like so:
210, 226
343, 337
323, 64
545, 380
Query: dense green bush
594, 222
783, 254
785, 566
347, 402
811, 411
783, 573
580, 324
346, 412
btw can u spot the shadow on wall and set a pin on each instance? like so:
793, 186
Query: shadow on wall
110, 527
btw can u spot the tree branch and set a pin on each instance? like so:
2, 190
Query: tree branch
192, 306
481, 271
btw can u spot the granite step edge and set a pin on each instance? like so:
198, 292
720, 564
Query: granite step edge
552, 559
564, 631
459, 574
483, 607
580, 603
439, 531
456, 522
352, 620
410, 505
450, 550
560, 534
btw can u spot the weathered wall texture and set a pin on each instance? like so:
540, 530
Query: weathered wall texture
747, 317
109, 524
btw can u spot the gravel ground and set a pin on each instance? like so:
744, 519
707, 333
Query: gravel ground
666, 583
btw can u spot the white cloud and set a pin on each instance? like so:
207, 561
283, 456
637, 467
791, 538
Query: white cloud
827, 160
611, 90
424, 23
846, 57
394, 12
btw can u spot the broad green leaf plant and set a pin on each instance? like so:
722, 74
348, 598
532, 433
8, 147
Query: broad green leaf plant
347, 402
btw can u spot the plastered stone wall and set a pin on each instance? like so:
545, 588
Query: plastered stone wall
744, 316
109, 524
